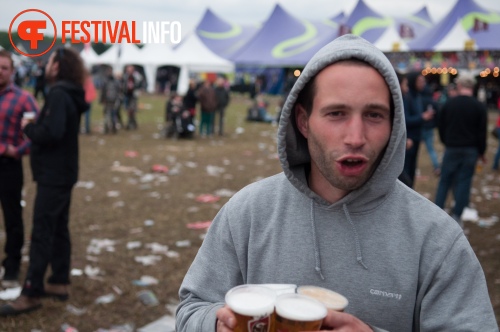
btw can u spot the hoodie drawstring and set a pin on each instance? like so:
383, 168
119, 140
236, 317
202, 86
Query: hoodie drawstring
316, 247
359, 256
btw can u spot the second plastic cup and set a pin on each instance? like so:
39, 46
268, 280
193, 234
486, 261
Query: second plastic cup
295, 312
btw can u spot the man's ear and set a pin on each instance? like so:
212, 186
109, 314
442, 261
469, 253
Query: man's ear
301, 118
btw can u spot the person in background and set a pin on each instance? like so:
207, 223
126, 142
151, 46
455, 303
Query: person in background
428, 127
14, 103
208, 104
403, 84
462, 128
90, 95
132, 81
223, 98
338, 218
496, 160
110, 99
40, 80
415, 115
54, 165
190, 98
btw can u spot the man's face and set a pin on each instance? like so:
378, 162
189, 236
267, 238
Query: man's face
348, 128
420, 83
6, 72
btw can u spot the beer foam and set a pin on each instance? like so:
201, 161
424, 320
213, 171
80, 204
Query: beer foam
251, 303
330, 299
300, 308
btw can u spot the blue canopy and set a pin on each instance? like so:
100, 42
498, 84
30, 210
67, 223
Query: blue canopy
484, 29
285, 41
461, 12
413, 26
221, 37
365, 22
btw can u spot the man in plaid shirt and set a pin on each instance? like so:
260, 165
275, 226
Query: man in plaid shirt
14, 102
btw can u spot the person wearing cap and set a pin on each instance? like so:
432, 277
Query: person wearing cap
337, 217
462, 129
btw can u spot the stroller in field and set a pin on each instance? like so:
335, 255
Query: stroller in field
179, 121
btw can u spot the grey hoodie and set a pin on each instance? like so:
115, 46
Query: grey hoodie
401, 261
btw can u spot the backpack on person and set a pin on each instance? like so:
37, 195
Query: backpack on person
112, 91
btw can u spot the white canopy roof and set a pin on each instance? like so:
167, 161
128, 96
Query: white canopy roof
89, 56
199, 58
390, 36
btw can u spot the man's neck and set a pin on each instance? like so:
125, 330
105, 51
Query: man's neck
4, 87
323, 188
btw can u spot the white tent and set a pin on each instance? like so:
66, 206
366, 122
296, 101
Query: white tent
89, 56
199, 58
192, 56
389, 38
155, 56
196, 57
119, 55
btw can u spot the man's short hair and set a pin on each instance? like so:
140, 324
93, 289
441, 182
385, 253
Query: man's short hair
7, 54
466, 80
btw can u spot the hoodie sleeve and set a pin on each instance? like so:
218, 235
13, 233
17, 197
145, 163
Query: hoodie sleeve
52, 125
213, 272
456, 298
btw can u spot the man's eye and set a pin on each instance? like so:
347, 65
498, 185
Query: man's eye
376, 115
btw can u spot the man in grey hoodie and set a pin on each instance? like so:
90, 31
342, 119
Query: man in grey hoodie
338, 218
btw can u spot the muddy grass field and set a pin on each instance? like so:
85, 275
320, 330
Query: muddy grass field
140, 211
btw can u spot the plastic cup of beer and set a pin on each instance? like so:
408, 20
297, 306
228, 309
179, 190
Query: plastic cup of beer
332, 300
29, 116
296, 312
253, 306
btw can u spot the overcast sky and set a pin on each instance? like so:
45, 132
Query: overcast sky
189, 12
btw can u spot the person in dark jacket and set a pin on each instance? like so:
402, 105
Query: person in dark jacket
54, 164
428, 128
462, 125
190, 98
414, 119
222, 96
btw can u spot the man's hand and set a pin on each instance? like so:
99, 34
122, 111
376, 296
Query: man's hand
334, 321
24, 122
339, 321
11, 151
226, 321
428, 114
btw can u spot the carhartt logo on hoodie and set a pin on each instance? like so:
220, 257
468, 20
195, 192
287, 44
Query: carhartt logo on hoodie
385, 294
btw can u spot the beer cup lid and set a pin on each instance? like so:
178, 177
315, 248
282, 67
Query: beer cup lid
281, 288
251, 300
300, 307
331, 299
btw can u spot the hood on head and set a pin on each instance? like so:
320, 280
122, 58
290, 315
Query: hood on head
292, 146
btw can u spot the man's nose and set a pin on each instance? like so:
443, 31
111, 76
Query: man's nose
355, 132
